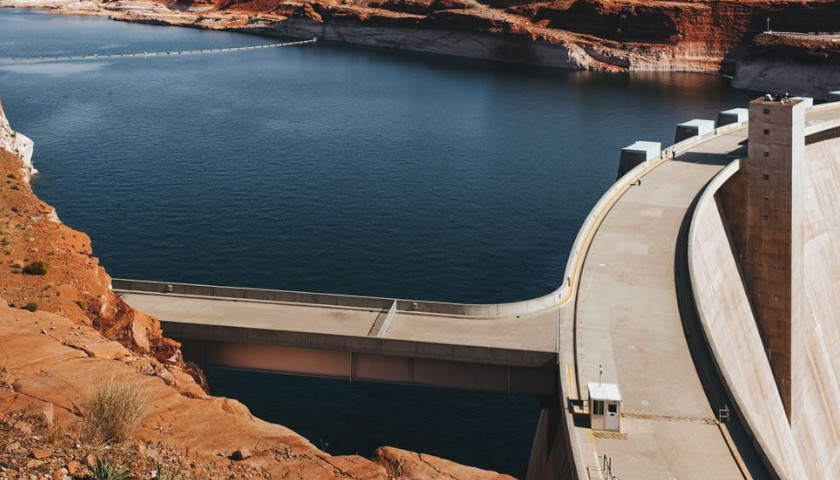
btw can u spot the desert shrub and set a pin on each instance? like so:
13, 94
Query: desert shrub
105, 469
38, 267
113, 412
31, 306
80, 304
12, 176
162, 474
53, 433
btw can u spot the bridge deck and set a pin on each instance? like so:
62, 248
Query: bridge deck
535, 332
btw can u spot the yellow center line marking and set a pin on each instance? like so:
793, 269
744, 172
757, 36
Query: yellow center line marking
572, 389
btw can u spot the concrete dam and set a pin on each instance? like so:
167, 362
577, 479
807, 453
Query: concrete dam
694, 334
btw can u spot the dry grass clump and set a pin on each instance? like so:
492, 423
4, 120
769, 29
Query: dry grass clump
113, 412
105, 469
4, 375
38, 267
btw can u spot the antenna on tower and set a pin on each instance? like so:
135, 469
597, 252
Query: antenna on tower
768, 26
600, 373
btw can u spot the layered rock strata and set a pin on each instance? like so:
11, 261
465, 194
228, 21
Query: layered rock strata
695, 36
806, 65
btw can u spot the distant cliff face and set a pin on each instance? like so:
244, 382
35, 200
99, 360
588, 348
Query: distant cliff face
799, 65
698, 36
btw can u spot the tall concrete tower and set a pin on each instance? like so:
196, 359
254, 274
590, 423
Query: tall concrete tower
766, 223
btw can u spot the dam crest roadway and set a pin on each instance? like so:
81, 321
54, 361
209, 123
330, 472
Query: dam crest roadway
625, 314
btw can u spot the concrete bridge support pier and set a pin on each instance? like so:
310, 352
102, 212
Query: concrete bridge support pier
551, 453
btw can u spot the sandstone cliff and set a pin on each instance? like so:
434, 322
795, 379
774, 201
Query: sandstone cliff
63, 333
696, 36
798, 64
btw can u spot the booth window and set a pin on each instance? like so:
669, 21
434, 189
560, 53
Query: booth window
612, 408
598, 407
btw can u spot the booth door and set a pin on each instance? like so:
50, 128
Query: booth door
611, 420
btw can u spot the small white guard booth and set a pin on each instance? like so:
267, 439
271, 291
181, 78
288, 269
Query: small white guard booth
605, 407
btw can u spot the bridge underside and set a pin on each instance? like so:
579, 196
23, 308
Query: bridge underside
370, 359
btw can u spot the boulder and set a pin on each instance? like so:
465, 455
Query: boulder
241, 454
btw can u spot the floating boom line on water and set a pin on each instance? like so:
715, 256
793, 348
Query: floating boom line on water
68, 58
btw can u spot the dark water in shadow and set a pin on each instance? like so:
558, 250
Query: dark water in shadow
335, 169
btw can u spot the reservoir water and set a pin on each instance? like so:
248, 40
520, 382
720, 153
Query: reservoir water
335, 169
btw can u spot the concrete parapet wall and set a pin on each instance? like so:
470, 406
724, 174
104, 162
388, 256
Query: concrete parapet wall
539, 304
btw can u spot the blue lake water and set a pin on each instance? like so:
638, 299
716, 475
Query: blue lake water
335, 169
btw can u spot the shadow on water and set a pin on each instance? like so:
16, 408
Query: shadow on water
493, 431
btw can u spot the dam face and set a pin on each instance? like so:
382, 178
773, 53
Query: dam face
765, 267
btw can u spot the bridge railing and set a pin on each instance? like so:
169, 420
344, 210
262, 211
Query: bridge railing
259, 294
338, 300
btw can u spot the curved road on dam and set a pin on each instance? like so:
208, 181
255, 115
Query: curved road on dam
630, 318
